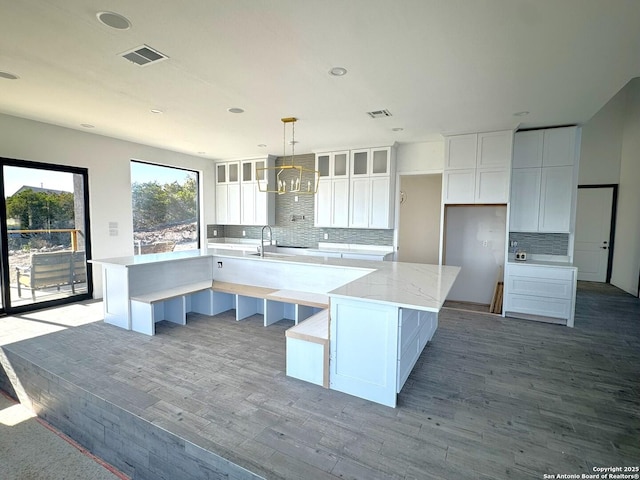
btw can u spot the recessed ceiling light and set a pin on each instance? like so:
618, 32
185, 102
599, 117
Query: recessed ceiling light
521, 114
113, 20
338, 71
235, 110
155, 110
87, 125
397, 129
8, 76
262, 145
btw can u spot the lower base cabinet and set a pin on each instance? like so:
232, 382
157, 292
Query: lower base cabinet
541, 292
377, 349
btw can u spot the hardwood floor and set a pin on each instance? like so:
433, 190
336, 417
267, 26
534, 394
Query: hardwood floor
490, 398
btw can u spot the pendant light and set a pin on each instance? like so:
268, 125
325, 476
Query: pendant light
289, 177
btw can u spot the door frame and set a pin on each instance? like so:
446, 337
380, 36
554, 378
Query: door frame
5, 287
612, 230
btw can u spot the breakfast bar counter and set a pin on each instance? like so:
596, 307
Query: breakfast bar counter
382, 314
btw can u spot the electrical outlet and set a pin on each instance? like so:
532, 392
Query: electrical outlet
215, 233
485, 243
295, 199
244, 234
326, 236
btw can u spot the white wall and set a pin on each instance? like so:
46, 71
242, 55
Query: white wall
108, 163
419, 222
626, 260
423, 157
601, 145
475, 240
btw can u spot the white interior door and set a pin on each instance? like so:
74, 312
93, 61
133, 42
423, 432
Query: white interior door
593, 228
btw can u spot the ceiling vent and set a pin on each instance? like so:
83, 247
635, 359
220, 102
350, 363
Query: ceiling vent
379, 113
143, 56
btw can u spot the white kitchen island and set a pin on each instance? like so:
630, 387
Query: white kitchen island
382, 313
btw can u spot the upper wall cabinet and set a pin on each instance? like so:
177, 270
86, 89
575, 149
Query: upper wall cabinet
238, 198
256, 207
333, 190
544, 180
477, 168
371, 198
228, 193
355, 188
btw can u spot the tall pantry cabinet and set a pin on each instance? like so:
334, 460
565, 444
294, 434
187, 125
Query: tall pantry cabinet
544, 180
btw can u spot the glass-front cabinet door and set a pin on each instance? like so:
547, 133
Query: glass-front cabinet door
360, 163
380, 159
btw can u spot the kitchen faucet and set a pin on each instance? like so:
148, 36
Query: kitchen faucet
262, 239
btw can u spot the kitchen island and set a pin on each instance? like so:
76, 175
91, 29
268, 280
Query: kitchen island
382, 313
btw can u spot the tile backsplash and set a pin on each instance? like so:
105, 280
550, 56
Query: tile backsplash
294, 222
540, 243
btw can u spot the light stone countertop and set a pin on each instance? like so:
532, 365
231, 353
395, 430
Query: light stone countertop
541, 260
411, 285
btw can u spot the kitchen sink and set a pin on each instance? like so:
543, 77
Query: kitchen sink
271, 254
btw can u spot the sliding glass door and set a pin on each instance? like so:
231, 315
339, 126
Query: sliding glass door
44, 235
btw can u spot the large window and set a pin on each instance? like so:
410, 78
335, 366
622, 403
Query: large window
165, 208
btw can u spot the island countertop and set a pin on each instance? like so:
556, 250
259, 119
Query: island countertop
410, 285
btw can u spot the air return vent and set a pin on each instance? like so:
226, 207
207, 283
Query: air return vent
379, 113
143, 56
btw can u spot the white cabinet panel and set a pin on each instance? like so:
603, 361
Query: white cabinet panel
559, 147
379, 210
233, 204
460, 151
359, 203
525, 199
458, 186
553, 153
323, 205
492, 185
546, 291
248, 211
360, 194
546, 307
527, 149
494, 149
340, 203
221, 203
556, 191
477, 168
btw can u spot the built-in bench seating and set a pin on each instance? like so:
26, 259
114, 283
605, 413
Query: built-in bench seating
273, 304
308, 349
170, 304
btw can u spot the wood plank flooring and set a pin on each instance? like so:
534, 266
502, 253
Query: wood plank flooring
490, 398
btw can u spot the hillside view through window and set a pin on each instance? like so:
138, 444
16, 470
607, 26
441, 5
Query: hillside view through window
165, 208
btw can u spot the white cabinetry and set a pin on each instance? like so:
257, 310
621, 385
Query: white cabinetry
356, 188
477, 168
238, 198
256, 207
228, 193
332, 199
372, 186
544, 180
541, 292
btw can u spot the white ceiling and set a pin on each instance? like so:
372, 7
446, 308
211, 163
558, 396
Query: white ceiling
439, 66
